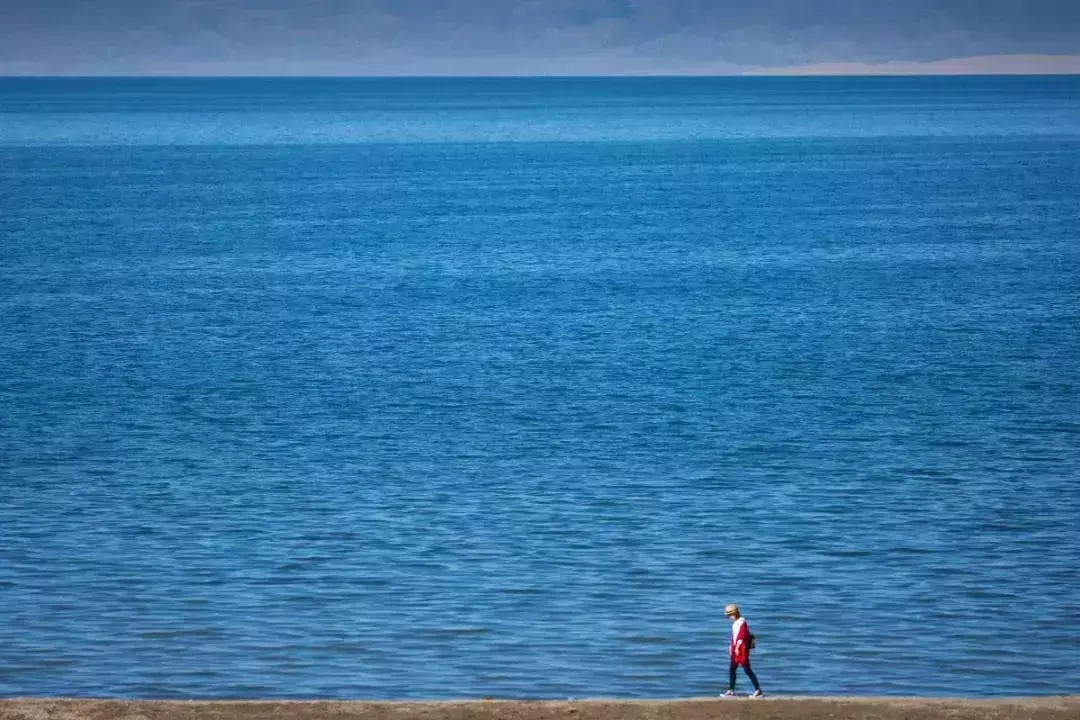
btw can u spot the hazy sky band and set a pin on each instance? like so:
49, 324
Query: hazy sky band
516, 36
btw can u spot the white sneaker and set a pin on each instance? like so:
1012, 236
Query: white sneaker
758, 693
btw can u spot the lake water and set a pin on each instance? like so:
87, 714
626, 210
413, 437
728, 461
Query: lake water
443, 388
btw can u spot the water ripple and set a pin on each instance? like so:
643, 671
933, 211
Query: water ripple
322, 407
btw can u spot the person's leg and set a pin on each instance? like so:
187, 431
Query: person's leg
750, 674
731, 675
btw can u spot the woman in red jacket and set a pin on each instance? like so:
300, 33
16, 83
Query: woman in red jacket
739, 649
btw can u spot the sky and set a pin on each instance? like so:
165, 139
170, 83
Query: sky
534, 37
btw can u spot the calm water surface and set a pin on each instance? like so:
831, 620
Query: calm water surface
439, 388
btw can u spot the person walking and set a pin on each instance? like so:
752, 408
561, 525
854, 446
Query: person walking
739, 649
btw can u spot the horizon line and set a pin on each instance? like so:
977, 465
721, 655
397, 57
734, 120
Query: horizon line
764, 73
1000, 65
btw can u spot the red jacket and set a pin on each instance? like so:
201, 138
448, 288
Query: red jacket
739, 647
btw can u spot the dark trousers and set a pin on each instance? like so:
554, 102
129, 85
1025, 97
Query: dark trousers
749, 673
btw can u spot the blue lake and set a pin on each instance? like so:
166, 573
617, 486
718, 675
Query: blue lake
442, 388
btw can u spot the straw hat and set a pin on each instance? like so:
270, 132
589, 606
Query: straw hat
731, 609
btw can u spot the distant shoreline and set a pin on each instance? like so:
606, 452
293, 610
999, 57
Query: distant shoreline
1022, 64
779, 708
755, 74
740, 77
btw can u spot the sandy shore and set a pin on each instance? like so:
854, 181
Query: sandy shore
705, 709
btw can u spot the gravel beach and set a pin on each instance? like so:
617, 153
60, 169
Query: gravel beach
818, 708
